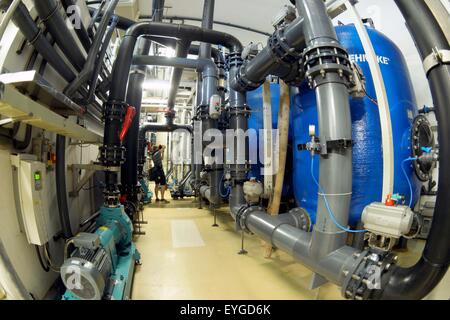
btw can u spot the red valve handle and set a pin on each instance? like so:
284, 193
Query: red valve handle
131, 113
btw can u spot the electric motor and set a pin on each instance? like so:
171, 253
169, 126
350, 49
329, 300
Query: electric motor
86, 272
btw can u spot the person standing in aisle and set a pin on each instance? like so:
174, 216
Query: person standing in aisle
160, 176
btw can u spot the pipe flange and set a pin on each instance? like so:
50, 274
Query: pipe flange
302, 219
112, 156
114, 110
234, 59
296, 76
245, 212
322, 61
281, 51
422, 138
367, 274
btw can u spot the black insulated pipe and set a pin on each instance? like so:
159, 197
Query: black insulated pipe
23, 20
72, 10
61, 189
129, 176
93, 55
185, 32
419, 280
48, 11
125, 23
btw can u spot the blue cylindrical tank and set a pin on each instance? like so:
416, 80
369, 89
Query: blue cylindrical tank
367, 150
256, 122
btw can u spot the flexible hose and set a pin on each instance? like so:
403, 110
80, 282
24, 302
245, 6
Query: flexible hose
408, 180
327, 205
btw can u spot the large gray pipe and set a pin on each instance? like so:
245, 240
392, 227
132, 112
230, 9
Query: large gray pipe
335, 124
298, 243
238, 123
280, 56
204, 53
216, 171
181, 51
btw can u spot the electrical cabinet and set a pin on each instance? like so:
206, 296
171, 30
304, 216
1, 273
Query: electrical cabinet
32, 199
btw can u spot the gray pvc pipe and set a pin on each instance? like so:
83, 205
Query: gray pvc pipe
283, 233
22, 18
334, 121
181, 51
238, 121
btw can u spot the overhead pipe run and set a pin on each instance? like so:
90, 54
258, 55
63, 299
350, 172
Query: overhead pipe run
23, 20
48, 11
112, 152
93, 57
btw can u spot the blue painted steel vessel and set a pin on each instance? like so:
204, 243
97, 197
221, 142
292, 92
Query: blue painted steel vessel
367, 151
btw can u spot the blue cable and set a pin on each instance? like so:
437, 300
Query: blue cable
407, 179
327, 205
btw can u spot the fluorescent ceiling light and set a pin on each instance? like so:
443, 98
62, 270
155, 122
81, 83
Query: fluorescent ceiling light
156, 85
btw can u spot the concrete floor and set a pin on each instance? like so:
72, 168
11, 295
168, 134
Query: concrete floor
184, 257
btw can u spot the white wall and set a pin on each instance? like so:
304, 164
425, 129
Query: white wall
23, 255
388, 20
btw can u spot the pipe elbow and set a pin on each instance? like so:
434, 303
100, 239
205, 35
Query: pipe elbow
412, 283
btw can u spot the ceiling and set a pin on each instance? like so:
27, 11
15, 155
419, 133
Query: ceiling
240, 12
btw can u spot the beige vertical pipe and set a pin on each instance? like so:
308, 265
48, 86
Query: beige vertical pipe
283, 137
